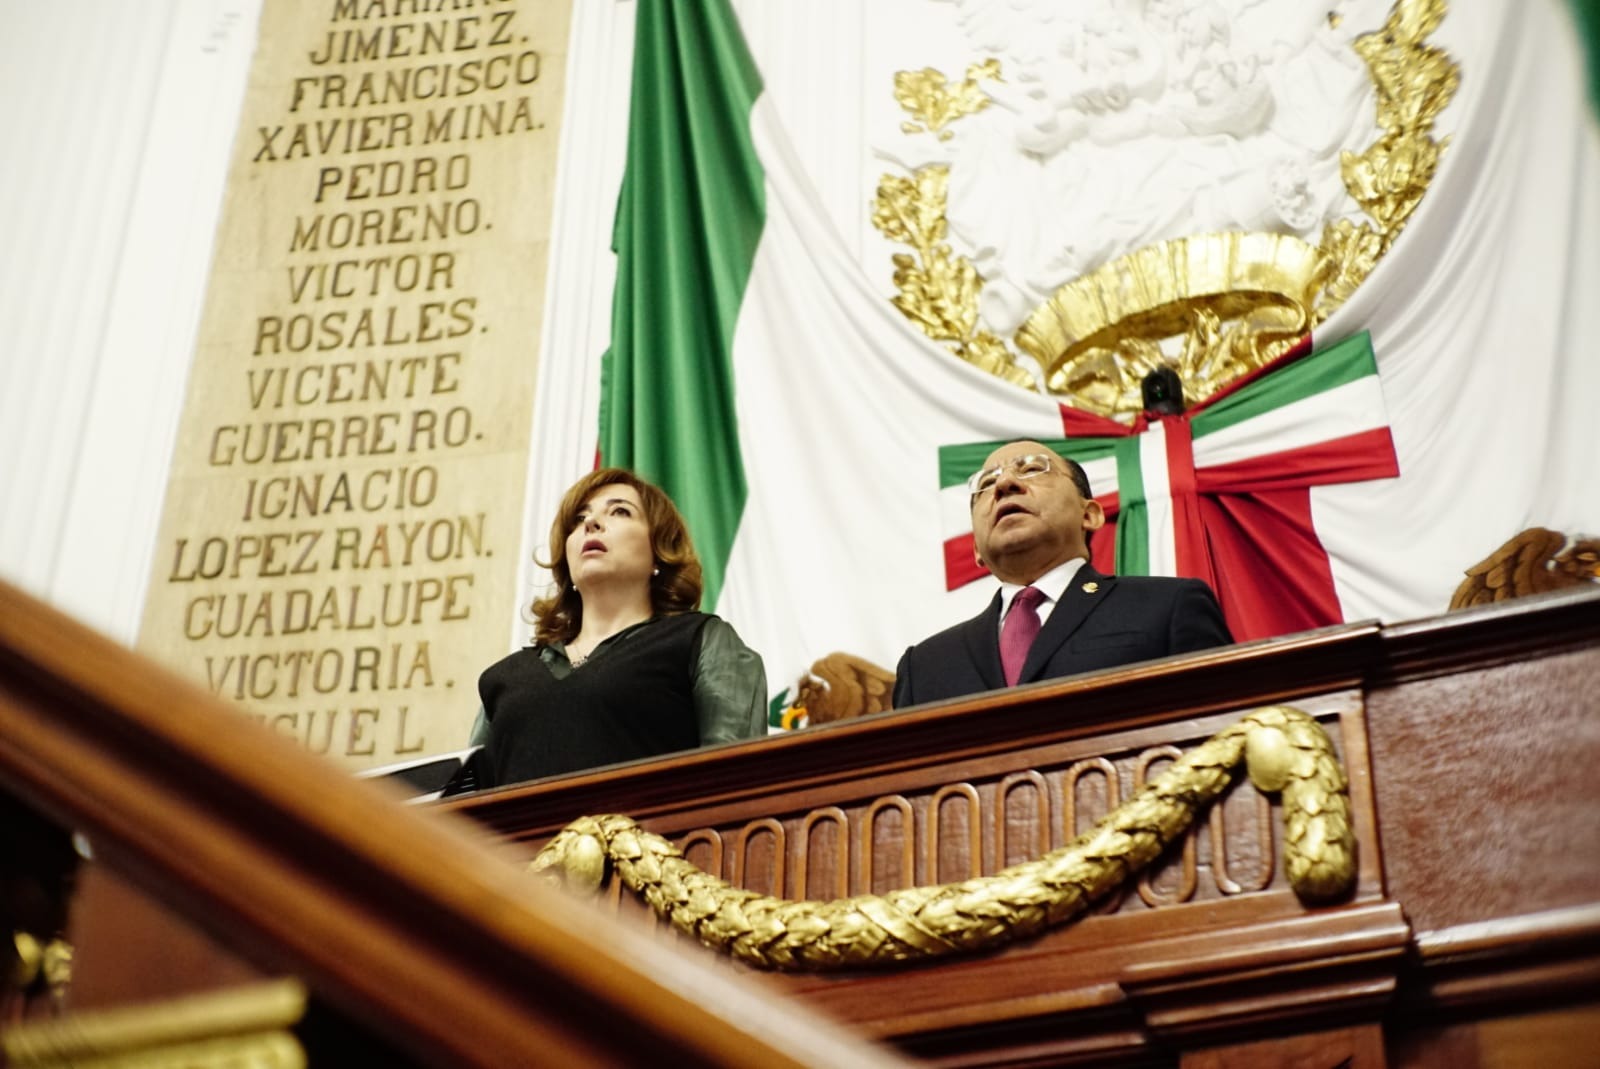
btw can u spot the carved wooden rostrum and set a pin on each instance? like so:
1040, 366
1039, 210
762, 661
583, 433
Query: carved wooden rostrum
1210, 953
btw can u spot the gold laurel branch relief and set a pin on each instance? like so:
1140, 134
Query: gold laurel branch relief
938, 291
934, 103
1284, 749
1414, 82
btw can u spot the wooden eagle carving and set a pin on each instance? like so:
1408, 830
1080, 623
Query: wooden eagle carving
842, 685
1532, 562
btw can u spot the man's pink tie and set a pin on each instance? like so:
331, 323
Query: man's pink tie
1019, 631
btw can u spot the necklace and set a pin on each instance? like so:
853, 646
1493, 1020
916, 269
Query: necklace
575, 658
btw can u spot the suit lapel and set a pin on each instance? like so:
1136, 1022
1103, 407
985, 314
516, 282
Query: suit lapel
982, 636
1069, 614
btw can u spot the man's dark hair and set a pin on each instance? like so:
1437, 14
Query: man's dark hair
1080, 478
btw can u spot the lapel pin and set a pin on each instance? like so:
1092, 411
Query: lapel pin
1090, 587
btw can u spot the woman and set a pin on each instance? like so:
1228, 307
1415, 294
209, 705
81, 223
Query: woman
622, 666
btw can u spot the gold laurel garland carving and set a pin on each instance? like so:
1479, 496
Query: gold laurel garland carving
1285, 750
1097, 361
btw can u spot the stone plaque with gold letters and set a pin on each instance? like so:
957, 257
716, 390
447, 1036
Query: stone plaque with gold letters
338, 549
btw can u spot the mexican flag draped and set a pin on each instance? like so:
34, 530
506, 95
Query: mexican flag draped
755, 375
689, 216
1222, 492
816, 440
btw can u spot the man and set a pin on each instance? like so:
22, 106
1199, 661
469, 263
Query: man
1032, 512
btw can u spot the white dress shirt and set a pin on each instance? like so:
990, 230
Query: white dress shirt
1051, 584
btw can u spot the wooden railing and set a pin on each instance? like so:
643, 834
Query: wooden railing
1471, 742
413, 924
1472, 933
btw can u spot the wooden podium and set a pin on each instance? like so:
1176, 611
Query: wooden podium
1472, 937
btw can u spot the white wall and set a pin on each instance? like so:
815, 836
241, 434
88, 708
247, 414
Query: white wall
114, 141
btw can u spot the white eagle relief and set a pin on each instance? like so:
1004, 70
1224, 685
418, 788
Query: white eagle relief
1121, 123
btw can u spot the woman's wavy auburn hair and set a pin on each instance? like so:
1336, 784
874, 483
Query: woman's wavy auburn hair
677, 586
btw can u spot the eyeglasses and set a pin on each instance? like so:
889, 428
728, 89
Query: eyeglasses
1026, 466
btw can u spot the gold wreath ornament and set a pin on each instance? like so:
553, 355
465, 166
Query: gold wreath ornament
1227, 303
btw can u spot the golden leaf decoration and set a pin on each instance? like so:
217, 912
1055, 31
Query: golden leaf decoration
1352, 251
1414, 82
934, 103
937, 290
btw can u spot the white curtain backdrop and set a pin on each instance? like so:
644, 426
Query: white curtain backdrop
116, 132
1482, 315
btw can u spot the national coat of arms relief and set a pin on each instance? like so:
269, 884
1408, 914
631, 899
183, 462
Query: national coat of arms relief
1194, 184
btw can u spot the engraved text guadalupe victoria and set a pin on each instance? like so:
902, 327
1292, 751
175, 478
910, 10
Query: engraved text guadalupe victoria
354, 444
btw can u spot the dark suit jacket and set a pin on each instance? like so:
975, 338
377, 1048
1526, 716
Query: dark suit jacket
1127, 619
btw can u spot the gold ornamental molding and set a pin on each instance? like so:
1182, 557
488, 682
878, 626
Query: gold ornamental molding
1284, 749
1415, 82
40, 965
37, 878
245, 1028
1232, 301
